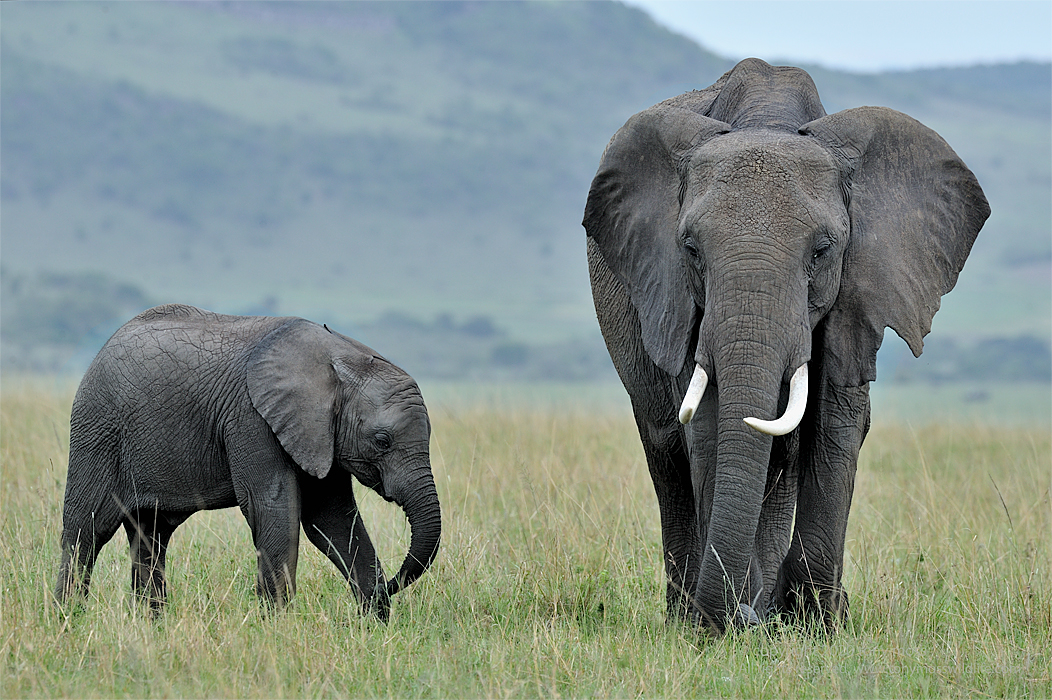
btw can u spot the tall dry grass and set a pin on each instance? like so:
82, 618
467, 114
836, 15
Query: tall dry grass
549, 581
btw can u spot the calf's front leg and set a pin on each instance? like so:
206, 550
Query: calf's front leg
333, 523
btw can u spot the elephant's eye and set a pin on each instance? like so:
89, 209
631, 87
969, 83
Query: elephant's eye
690, 246
820, 251
383, 441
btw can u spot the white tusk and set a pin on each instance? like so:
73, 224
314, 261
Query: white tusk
794, 410
695, 391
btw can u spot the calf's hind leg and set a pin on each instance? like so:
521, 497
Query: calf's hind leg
149, 531
85, 530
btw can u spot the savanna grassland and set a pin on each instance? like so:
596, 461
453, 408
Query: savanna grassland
549, 581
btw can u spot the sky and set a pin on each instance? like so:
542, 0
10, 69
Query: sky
864, 35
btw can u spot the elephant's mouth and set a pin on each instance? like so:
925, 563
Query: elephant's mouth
786, 423
369, 477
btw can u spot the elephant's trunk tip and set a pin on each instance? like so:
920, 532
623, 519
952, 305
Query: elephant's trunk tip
695, 392
412, 569
425, 524
794, 409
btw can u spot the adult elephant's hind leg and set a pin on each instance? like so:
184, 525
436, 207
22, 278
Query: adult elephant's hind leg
149, 531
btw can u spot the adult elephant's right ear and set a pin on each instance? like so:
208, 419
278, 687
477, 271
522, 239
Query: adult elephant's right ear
292, 384
915, 211
633, 215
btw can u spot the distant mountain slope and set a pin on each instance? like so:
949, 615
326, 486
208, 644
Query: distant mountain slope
343, 160
346, 157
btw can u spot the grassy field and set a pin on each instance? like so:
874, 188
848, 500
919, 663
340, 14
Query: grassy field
549, 582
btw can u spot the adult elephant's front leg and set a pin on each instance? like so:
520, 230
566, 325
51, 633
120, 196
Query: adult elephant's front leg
701, 436
809, 581
773, 534
670, 470
333, 523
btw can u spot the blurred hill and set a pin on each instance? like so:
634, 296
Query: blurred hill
411, 173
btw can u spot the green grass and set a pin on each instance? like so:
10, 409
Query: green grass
549, 582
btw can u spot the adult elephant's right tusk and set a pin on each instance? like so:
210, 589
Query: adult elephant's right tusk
695, 391
794, 409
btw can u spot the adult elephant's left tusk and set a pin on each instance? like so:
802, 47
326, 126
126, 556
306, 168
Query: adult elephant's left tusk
695, 391
794, 410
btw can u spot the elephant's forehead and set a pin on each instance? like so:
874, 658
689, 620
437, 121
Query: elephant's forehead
764, 180
764, 159
390, 390
397, 400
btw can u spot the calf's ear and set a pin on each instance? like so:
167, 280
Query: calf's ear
293, 384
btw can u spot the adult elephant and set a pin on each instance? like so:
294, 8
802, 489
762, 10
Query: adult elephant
746, 252
186, 410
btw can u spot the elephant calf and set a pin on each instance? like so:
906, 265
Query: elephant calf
186, 410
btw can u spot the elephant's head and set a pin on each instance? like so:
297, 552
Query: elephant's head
335, 403
755, 234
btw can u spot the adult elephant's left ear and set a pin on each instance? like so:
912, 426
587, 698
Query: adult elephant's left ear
292, 384
915, 211
633, 213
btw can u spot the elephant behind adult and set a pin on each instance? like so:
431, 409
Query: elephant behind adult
186, 410
746, 251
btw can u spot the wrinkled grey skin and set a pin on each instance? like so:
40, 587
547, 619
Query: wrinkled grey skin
186, 410
742, 229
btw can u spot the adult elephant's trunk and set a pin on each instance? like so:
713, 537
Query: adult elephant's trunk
750, 357
787, 423
420, 503
794, 408
742, 458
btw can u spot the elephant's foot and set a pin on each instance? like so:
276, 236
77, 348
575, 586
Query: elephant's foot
379, 604
680, 606
149, 603
746, 616
808, 594
149, 588
152, 602
742, 617
275, 580
69, 597
71, 587
67, 587
807, 603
